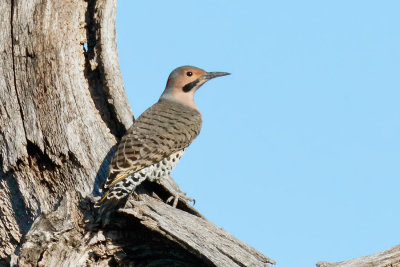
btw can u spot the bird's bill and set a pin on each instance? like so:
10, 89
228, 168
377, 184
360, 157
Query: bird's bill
211, 75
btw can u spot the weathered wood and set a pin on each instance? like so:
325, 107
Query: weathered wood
53, 135
387, 258
196, 234
146, 232
63, 108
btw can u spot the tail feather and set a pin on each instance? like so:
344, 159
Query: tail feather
105, 210
113, 199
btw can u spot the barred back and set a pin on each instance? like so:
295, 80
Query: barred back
165, 128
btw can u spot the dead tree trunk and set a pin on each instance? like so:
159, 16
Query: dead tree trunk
57, 116
63, 108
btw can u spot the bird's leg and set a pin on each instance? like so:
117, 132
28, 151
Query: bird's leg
181, 196
176, 194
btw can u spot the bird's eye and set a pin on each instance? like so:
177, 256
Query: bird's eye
189, 73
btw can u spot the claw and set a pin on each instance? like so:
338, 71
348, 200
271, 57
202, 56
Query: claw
181, 196
169, 199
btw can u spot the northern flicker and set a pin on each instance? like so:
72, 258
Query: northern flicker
157, 140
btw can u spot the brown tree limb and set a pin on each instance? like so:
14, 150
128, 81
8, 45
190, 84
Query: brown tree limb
147, 231
387, 258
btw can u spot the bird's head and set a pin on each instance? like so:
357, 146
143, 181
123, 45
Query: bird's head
184, 81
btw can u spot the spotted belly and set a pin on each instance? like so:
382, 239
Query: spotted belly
153, 173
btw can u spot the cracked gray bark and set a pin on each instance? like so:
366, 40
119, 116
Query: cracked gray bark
387, 258
63, 108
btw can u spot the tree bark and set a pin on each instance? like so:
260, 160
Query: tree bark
63, 109
387, 258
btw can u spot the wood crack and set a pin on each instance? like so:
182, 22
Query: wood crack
13, 64
96, 75
230, 257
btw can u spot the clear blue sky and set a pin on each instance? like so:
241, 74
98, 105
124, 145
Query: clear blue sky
299, 154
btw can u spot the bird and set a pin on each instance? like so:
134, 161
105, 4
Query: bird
156, 141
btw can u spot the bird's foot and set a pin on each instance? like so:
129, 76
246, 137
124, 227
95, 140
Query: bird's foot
180, 196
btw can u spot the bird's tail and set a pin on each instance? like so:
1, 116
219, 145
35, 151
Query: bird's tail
105, 208
114, 199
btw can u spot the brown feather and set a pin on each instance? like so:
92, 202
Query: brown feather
163, 129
